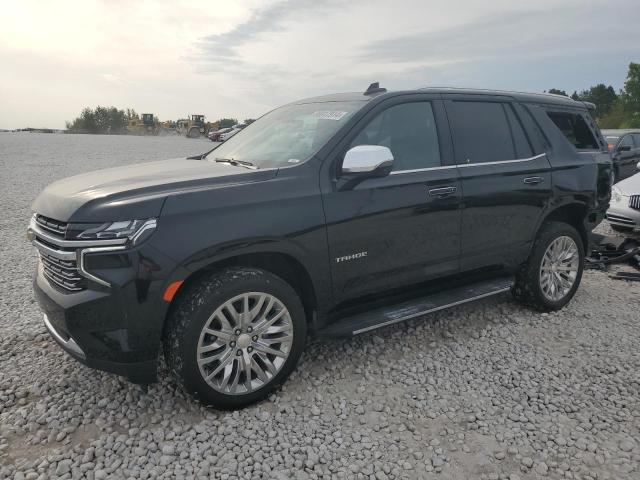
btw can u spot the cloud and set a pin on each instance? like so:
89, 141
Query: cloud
514, 34
222, 51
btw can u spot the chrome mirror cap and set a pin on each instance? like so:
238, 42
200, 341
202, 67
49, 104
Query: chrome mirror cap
367, 159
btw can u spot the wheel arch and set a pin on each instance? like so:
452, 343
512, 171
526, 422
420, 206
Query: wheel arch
573, 214
283, 265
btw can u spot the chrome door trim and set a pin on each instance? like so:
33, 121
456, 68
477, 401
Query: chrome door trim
500, 162
448, 167
428, 169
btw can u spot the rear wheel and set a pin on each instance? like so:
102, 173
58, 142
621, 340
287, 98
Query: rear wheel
235, 337
549, 278
194, 132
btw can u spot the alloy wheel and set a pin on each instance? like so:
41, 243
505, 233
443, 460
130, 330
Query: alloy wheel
559, 268
245, 343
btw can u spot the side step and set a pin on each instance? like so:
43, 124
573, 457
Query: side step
381, 317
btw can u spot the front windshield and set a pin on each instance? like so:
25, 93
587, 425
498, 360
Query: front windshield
288, 135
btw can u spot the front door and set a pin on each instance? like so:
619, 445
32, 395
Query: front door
404, 228
506, 185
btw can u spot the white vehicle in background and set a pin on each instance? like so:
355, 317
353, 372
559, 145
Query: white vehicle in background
624, 208
235, 129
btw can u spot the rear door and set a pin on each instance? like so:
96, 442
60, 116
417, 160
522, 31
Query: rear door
506, 185
400, 229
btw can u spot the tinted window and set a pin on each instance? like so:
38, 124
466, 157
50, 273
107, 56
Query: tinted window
523, 148
481, 132
575, 129
636, 139
409, 131
534, 129
627, 141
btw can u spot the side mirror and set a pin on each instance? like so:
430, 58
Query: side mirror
624, 148
367, 159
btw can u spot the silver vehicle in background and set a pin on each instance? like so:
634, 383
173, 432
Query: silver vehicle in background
624, 209
235, 129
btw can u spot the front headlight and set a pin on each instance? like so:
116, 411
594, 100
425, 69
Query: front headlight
616, 194
133, 230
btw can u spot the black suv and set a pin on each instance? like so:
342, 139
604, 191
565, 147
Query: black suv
330, 216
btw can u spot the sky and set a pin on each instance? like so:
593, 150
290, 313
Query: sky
241, 58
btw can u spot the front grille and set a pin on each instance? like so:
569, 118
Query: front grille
55, 227
59, 264
634, 202
620, 219
62, 273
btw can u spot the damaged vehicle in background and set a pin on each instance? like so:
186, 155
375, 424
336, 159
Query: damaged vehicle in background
624, 146
624, 211
332, 216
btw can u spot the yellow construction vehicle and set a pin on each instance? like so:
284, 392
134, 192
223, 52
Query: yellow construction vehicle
194, 126
146, 124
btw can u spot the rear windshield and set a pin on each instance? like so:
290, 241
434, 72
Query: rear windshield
574, 127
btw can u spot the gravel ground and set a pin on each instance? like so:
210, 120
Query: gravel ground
489, 390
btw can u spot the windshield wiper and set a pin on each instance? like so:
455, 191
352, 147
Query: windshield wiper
237, 163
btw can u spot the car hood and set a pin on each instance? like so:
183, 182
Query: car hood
630, 186
136, 191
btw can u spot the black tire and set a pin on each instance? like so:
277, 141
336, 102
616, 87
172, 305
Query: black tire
192, 312
527, 288
621, 228
194, 132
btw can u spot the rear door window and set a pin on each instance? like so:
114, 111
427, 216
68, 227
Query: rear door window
636, 139
409, 131
575, 129
481, 132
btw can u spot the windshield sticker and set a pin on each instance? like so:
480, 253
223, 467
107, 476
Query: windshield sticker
293, 160
328, 115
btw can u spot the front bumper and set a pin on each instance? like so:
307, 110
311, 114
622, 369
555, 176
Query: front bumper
112, 318
621, 214
104, 330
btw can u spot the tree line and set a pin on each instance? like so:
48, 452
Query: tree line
613, 109
104, 120
114, 121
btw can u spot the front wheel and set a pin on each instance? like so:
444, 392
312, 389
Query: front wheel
549, 278
235, 337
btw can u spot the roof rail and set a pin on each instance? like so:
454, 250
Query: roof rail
590, 106
374, 88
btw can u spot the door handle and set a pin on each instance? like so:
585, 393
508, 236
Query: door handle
532, 180
442, 192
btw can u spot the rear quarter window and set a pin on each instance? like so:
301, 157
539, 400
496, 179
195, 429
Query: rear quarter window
575, 129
